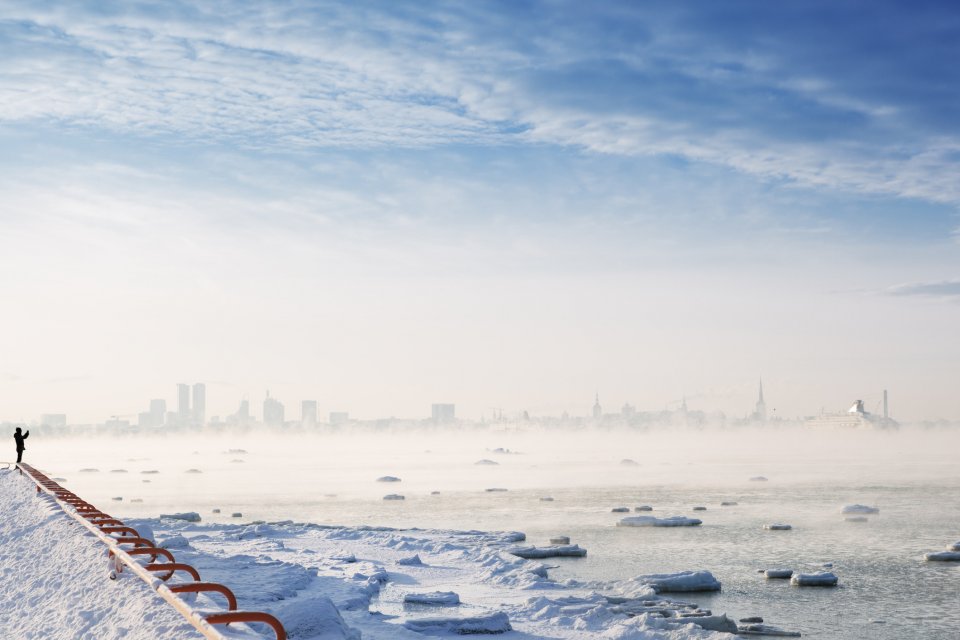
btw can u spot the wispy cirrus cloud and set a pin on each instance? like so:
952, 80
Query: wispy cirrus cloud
944, 289
819, 95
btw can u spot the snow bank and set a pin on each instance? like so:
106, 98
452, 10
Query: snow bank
859, 508
824, 579
652, 521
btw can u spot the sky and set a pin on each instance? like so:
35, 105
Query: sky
505, 205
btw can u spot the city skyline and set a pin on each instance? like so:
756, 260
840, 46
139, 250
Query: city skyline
500, 203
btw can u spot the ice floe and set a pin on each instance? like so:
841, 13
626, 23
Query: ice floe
942, 556
236, 514
388, 479
728, 503
394, 496
193, 471
778, 574
436, 598
856, 519
495, 490
758, 479
760, 629
627, 462
552, 551
680, 582
118, 471
699, 508
643, 507
620, 510
560, 540
778, 526
487, 462
822, 579
546, 499
187, 516
486, 624
653, 521
860, 508
90, 470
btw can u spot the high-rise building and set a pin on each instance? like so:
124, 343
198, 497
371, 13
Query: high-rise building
272, 411
199, 413
443, 413
308, 412
183, 403
158, 412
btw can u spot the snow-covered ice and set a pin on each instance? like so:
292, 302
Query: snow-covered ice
439, 598
778, 574
653, 521
859, 508
189, 516
552, 551
822, 579
681, 582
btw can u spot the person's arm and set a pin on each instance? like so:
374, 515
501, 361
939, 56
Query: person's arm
26, 435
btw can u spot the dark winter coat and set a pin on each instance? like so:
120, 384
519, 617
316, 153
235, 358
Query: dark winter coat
20, 438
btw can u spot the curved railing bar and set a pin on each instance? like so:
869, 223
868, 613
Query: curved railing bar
249, 616
171, 568
198, 587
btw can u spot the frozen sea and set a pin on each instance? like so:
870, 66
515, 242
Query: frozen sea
886, 588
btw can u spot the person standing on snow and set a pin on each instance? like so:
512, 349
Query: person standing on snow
20, 438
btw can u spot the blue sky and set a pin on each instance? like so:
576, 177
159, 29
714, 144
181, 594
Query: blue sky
594, 188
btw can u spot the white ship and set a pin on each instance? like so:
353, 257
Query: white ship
856, 417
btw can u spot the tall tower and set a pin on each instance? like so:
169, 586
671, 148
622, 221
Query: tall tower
183, 404
199, 404
597, 410
760, 414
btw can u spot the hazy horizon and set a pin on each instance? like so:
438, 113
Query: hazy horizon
495, 205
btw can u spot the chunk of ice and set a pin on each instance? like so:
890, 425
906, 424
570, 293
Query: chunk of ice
822, 579
778, 527
394, 496
486, 462
560, 540
490, 624
620, 510
412, 561
778, 574
643, 507
859, 508
188, 516
758, 479
388, 479
551, 551
682, 582
942, 556
653, 521
437, 598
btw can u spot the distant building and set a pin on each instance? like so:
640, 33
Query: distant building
199, 412
242, 416
183, 403
760, 413
308, 413
339, 417
628, 410
158, 412
272, 411
443, 413
597, 410
53, 420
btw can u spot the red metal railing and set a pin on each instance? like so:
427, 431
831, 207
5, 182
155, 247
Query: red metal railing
114, 533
